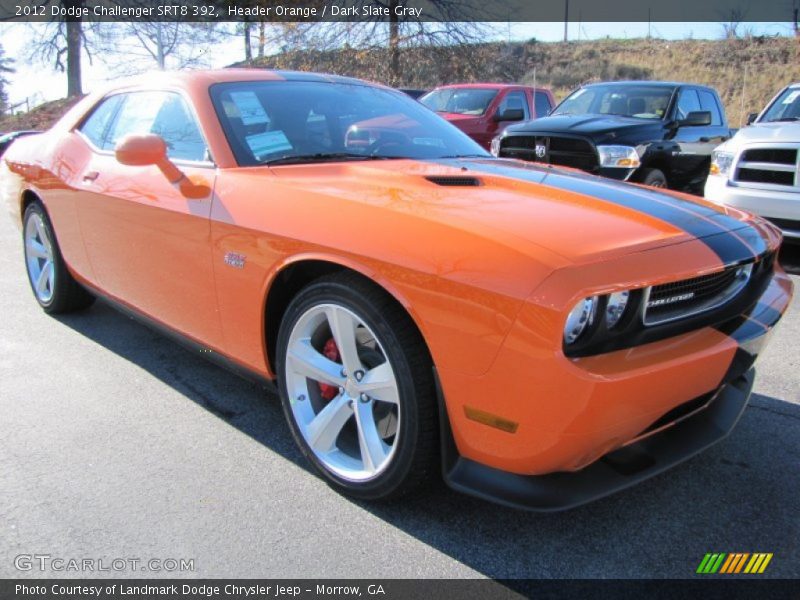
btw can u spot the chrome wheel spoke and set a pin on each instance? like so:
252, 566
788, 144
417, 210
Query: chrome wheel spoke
380, 384
44, 278
304, 359
343, 329
325, 427
373, 449
36, 250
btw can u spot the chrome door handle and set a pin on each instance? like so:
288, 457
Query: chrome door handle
91, 176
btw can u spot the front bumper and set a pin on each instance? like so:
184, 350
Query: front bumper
615, 471
779, 205
607, 422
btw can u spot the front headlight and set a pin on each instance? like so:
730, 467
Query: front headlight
622, 157
495, 146
615, 307
721, 162
579, 318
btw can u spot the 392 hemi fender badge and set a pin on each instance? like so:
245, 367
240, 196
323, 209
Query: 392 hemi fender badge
235, 260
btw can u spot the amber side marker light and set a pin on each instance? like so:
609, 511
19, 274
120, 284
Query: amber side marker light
491, 420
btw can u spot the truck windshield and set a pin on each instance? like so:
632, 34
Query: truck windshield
636, 101
785, 108
463, 101
293, 122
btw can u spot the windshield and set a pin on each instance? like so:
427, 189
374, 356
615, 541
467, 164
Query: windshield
785, 108
462, 101
284, 122
637, 101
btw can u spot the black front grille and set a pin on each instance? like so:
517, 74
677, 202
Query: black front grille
781, 156
765, 176
564, 151
682, 298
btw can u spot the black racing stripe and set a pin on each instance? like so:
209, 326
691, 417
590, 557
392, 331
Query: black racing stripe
713, 228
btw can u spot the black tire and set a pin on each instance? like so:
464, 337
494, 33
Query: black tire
653, 178
415, 458
67, 294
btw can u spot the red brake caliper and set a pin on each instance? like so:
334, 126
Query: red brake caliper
331, 352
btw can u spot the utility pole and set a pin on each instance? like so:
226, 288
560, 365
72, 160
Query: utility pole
566, 18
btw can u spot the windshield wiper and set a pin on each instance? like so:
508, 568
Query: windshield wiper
325, 157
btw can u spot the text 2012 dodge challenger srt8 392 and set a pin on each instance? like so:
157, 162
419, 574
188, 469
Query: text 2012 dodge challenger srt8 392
545, 337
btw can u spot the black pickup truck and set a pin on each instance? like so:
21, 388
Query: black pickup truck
652, 132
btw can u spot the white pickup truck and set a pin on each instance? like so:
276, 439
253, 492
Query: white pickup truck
758, 169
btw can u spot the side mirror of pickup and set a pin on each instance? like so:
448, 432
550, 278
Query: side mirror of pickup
510, 114
150, 149
696, 118
751, 118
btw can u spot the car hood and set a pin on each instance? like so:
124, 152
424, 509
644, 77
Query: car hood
584, 124
787, 131
575, 217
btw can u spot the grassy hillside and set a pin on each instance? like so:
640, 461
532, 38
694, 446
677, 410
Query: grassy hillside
760, 65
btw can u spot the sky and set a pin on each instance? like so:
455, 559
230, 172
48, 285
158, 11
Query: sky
39, 83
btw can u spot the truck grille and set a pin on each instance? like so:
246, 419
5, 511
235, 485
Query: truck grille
770, 167
578, 153
680, 299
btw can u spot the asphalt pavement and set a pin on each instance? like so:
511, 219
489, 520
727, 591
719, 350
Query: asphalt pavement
116, 443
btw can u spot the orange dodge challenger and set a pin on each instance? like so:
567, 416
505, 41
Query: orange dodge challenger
543, 336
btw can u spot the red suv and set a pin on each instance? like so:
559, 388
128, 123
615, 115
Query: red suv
482, 110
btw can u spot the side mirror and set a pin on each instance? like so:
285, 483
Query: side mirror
150, 149
751, 118
696, 118
510, 114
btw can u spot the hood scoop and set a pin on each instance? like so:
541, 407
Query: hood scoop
454, 180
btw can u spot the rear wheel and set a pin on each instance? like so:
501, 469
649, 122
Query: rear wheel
653, 178
54, 288
357, 388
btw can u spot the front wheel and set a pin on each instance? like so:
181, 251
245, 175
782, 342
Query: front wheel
55, 289
653, 178
357, 388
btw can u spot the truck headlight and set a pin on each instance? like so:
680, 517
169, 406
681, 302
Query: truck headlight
495, 146
579, 318
622, 157
721, 162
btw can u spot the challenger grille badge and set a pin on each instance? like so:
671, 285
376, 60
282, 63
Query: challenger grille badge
670, 300
235, 260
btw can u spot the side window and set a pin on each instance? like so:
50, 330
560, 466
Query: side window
709, 103
177, 127
687, 102
95, 127
512, 101
166, 115
541, 102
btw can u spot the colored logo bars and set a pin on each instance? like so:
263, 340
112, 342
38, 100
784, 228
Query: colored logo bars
741, 562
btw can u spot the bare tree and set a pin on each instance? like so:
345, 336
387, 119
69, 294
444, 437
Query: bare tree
61, 43
5, 68
731, 26
442, 23
174, 45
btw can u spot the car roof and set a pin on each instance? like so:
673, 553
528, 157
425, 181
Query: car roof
485, 85
647, 82
231, 75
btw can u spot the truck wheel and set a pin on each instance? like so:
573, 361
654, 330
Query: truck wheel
653, 178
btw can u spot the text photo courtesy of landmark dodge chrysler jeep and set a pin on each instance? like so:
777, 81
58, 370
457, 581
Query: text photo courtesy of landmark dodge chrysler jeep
657, 133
